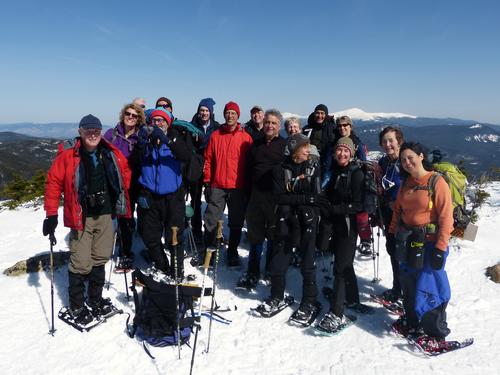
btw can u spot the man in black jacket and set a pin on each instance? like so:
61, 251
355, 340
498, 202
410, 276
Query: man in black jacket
204, 120
266, 153
255, 127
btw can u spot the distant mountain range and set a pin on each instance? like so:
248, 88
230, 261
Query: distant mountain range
476, 144
27, 147
24, 155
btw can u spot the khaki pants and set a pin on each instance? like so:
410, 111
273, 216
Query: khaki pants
91, 247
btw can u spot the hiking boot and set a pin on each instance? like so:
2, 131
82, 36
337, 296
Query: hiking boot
331, 323
402, 328
248, 281
306, 313
269, 307
365, 248
81, 316
101, 306
391, 295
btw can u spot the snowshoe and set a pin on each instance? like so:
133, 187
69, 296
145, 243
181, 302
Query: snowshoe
401, 328
272, 306
395, 307
101, 307
331, 324
81, 319
305, 315
247, 282
433, 346
391, 295
365, 248
360, 308
125, 264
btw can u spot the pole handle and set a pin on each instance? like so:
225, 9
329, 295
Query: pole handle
174, 236
207, 259
220, 223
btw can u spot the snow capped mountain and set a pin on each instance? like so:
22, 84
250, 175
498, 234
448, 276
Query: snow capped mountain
359, 114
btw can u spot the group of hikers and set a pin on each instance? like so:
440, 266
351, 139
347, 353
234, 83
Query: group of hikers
296, 194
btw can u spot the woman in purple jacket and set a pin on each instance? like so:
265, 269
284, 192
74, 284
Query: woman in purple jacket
124, 137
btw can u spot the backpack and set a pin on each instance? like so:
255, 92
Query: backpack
457, 183
372, 186
192, 170
155, 320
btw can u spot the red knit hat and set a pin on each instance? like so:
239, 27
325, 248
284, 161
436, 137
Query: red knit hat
233, 106
160, 112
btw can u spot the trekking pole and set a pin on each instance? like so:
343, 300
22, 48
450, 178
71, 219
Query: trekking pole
126, 286
220, 239
198, 317
378, 250
53, 241
175, 246
372, 240
111, 264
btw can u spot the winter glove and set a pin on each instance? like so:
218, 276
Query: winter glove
158, 137
208, 192
316, 200
437, 259
49, 227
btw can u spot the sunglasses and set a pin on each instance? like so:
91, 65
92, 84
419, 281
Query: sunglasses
91, 132
344, 125
165, 106
142, 106
133, 115
159, 120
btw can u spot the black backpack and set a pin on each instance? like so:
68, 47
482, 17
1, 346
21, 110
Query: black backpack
155, 320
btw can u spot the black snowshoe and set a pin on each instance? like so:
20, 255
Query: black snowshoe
248, 282
331, 324
272, 306
305, 315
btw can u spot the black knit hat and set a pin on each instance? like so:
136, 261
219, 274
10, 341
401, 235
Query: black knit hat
90, 122
321, 107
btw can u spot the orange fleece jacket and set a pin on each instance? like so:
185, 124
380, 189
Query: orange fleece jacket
413, 206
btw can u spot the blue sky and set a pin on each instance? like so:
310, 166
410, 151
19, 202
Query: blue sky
61, 60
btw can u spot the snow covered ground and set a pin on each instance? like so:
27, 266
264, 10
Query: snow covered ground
249, 345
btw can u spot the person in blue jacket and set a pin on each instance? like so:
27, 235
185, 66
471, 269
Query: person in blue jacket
161, 199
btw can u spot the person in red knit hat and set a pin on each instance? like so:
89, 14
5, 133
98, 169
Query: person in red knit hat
224, 176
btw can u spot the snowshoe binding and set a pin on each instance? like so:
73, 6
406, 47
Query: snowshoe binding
394, 307
81, 318
247, 282
331, 324
305, 315
125, 264
272, 306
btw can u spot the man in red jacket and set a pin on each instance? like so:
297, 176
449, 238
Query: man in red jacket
225, 178
94, 177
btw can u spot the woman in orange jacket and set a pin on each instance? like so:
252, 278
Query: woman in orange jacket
422, 222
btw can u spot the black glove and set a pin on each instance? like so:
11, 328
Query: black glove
437, 259
317, 200
208, 192
157, 136
49, 227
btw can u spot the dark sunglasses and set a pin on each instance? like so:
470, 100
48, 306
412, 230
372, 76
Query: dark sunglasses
133, 115
344, 125
165, 106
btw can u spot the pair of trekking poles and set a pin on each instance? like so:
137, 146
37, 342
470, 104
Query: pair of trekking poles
206, 264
